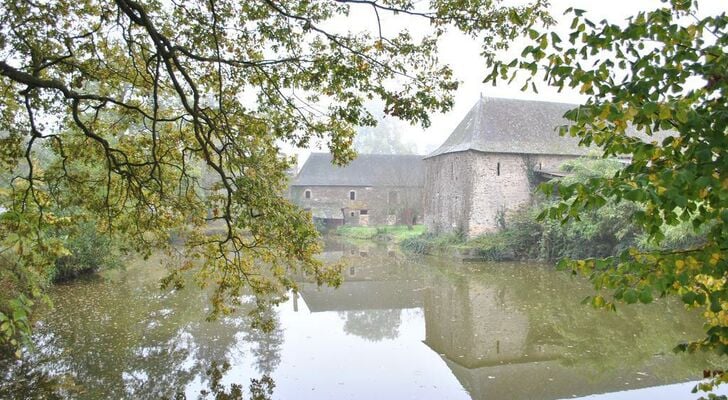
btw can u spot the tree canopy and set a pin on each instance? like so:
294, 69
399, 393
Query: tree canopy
664, 74
136, 100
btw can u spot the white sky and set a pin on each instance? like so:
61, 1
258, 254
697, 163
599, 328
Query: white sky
462, 53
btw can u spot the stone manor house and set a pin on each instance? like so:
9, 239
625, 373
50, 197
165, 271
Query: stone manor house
374, 189
485, 170
491, 162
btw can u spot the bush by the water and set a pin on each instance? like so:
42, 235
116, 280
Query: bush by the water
428, 243
89, 251
86, 250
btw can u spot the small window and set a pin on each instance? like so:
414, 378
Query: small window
307, 194
352, 195
540, 166
363, 212
352, 213
352, 271
393, 197
497, 169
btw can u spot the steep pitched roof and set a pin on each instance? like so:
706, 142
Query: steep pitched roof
365, 170
499, 125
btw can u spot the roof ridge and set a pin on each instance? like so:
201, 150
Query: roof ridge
366, 170
507, 125
488, 98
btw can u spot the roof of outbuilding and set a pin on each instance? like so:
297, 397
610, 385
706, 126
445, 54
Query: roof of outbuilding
365, 170
499, 125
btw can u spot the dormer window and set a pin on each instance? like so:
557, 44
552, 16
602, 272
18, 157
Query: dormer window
352, 195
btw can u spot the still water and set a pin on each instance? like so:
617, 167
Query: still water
398, 328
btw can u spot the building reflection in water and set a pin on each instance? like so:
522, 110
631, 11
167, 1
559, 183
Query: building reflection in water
506, 331
378, 284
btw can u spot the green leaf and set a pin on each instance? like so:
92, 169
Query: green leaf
630, 296
645, 296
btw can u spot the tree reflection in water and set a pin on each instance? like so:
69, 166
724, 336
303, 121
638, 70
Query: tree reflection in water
121, 336
266, 343
259, 389
373, 325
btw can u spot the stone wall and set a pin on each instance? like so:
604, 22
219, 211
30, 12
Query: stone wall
447, 192
501, 185
382, 205
476, 192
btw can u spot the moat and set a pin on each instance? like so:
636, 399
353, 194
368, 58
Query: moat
399, 327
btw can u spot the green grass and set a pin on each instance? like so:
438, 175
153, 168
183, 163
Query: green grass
429, 243
395, 233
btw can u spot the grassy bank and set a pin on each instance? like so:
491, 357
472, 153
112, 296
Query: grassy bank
396, 233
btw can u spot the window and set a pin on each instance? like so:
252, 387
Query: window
393, 198
363, 212
352, 195
307, 194
352, 213
497, 169
540, 165
352, 271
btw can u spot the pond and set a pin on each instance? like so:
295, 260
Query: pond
399, 327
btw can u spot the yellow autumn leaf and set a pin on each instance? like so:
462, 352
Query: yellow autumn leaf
585, 87
714, 258
665, 112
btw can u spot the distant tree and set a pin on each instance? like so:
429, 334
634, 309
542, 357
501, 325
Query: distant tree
132, 97
661, 70
384, 138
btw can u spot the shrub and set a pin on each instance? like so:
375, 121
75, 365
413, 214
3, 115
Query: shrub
89, 250
428, 243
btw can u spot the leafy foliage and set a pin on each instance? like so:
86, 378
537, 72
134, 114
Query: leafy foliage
168, 116
656, 88
89, 251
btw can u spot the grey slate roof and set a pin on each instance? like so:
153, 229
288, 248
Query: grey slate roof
365, 170
499, 125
